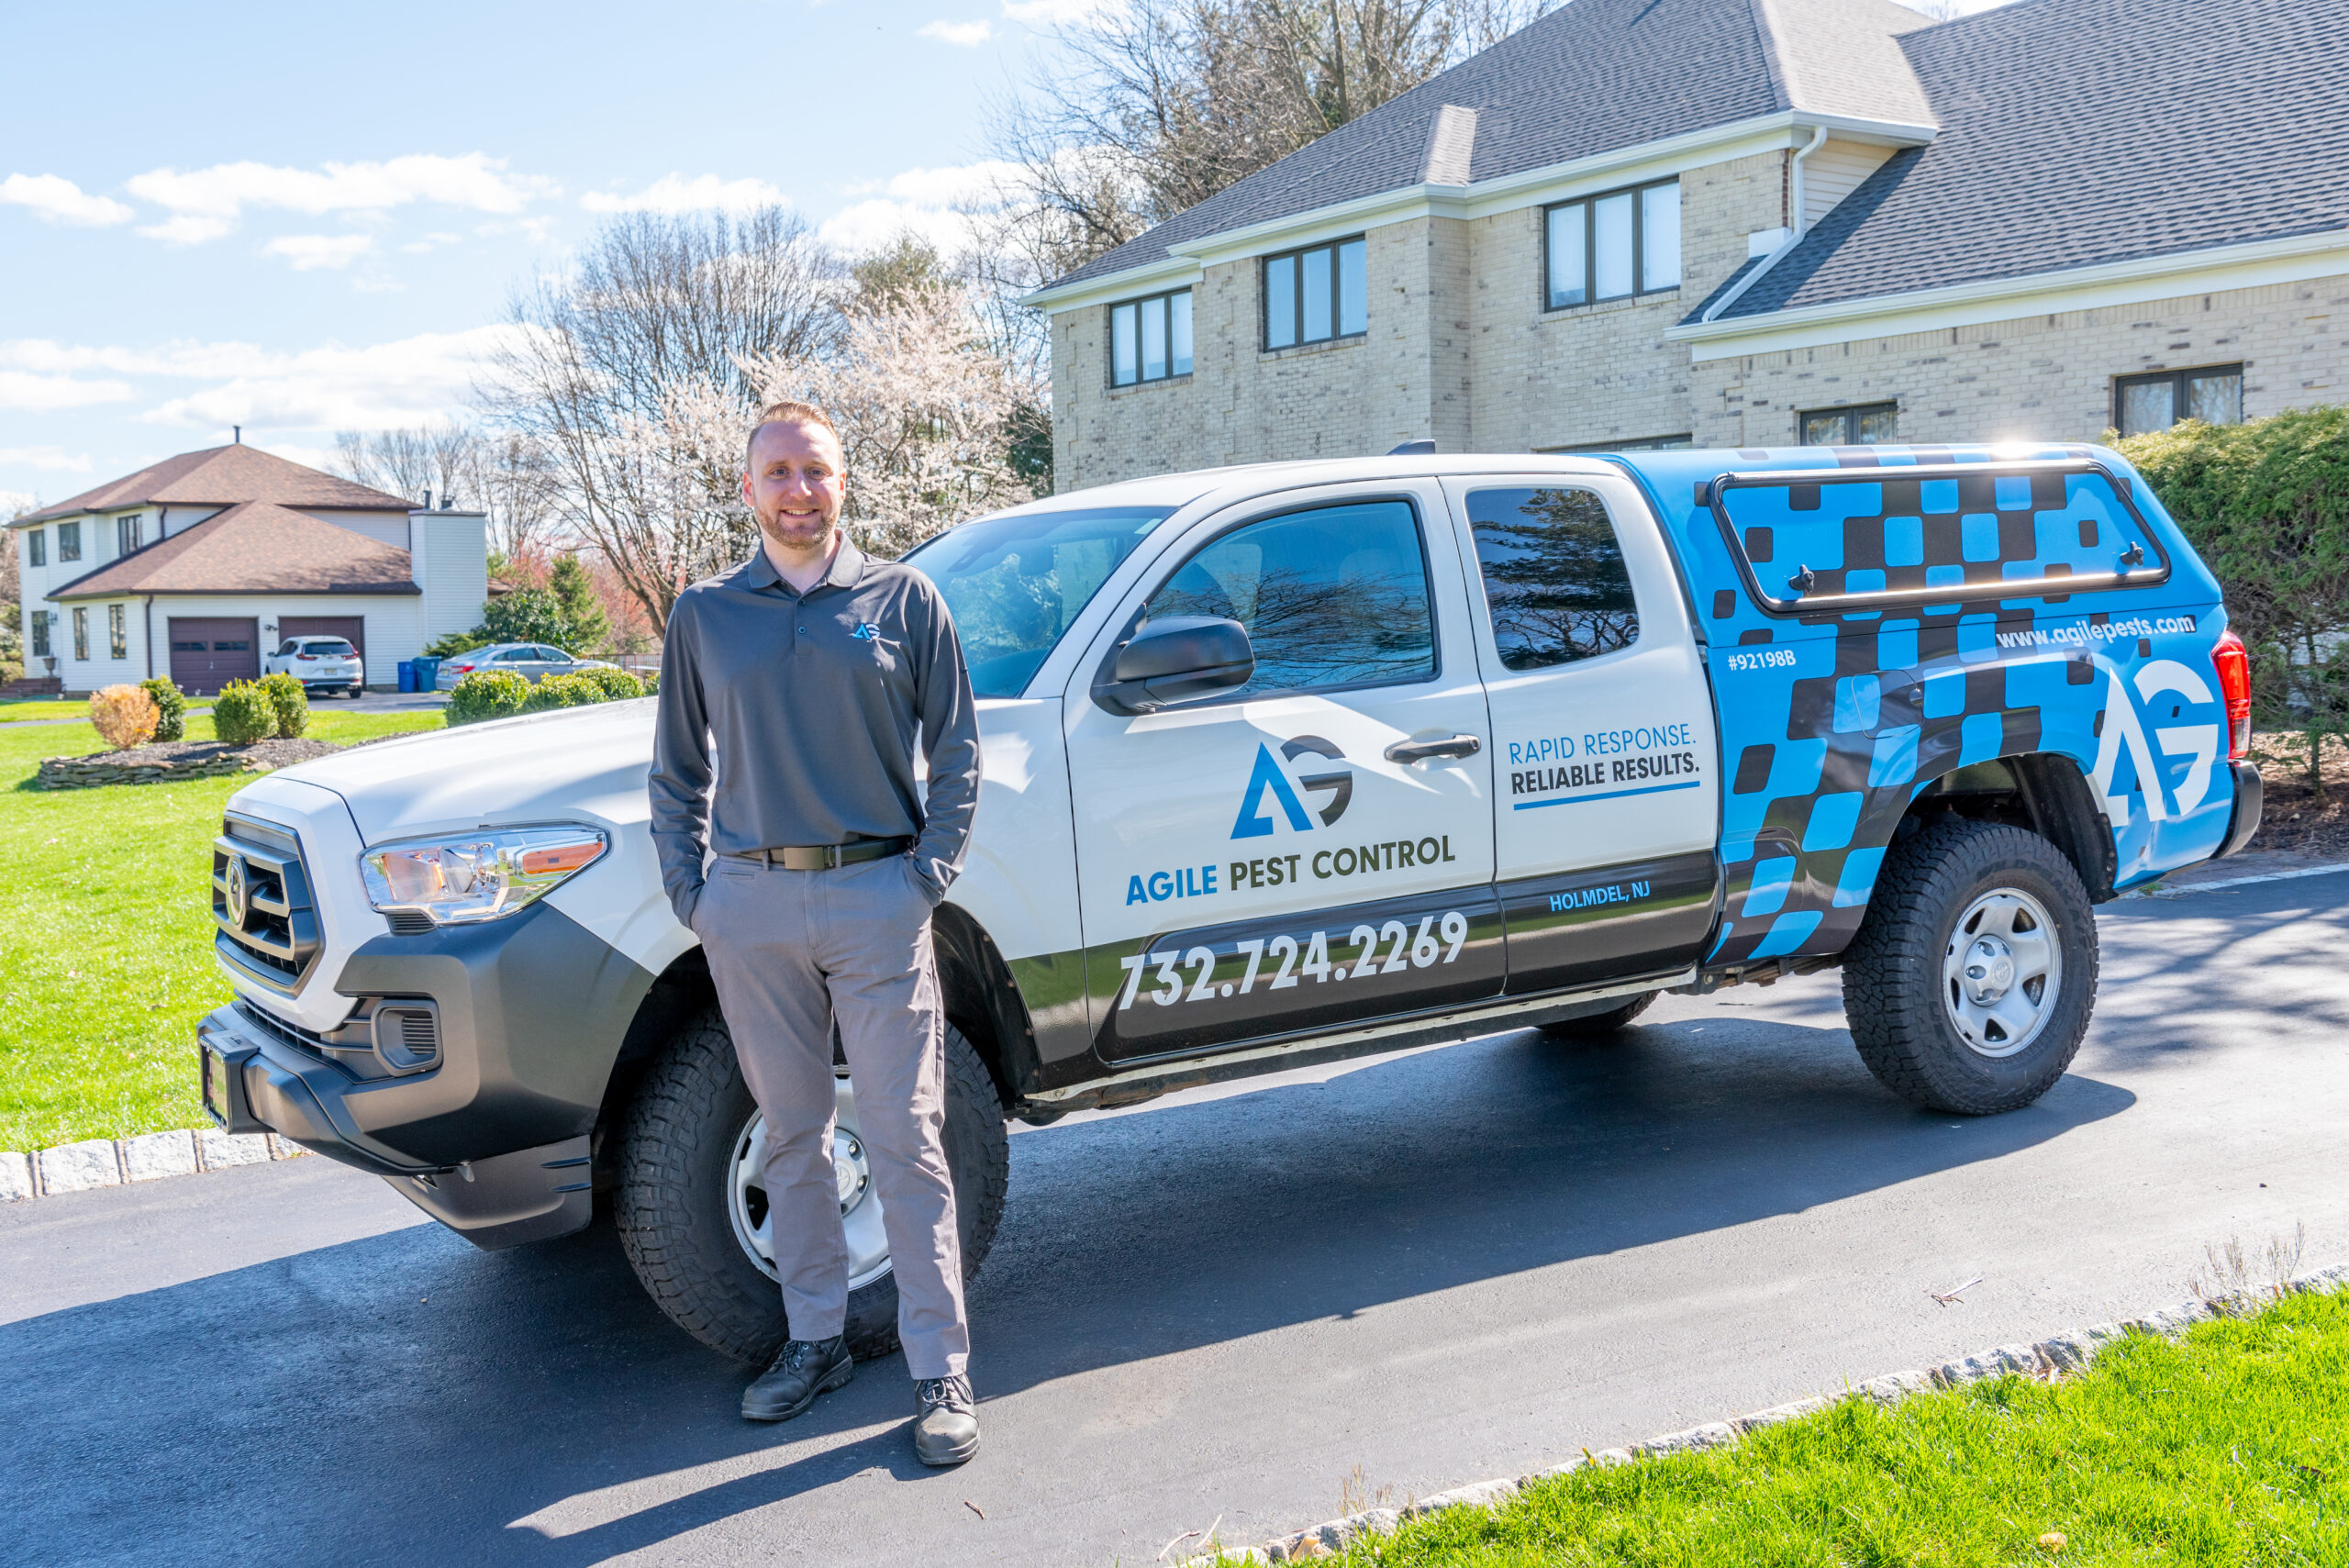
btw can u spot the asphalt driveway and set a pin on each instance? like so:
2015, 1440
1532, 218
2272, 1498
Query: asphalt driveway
1401, 1274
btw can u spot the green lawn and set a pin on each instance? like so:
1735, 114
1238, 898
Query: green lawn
42, 707
107, 961
2230, 1446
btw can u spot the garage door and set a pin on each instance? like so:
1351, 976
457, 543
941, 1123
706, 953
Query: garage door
351, 628
208, 654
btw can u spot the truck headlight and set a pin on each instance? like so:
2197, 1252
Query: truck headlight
464, 877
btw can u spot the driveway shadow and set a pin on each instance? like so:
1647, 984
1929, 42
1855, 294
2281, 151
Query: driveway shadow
406, 1399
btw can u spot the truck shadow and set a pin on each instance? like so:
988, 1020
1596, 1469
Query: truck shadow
405, 1398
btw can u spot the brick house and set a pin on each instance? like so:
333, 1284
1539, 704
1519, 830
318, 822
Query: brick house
198, 565
1752, 222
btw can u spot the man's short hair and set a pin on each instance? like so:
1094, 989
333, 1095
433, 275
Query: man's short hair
789, 411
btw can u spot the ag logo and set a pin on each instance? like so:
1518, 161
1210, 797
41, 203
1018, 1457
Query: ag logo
2124, 731
1270, 779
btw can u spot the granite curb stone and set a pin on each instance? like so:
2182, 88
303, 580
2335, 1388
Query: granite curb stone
2055, 1356
151, 1156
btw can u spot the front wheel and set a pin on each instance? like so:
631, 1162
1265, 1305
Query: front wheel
692, 1209
1969, 985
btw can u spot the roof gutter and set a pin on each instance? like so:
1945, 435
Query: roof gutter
1795, 231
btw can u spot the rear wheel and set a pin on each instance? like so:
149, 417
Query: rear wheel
692, 1210
1969, 985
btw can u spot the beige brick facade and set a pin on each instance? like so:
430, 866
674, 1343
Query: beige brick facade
1460, 348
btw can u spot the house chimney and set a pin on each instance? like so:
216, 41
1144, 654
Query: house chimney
241, 433
427, 498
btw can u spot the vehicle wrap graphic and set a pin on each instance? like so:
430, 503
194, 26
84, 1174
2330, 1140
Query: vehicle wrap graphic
1268, 785
1824, 751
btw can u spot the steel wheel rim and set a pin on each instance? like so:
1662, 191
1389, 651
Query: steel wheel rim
746, 1205
2002, 972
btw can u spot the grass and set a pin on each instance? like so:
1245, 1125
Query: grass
107, 963
2229, 1446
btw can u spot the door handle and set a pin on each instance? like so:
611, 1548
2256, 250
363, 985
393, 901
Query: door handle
1409, 751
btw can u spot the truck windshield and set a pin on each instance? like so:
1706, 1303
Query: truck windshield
1016, 583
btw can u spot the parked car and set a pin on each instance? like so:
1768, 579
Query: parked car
534, 662
1291, 763
322, 665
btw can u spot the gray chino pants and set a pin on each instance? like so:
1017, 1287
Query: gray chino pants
792, 950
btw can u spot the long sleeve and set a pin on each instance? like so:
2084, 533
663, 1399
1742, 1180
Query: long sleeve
679, 782
950, 738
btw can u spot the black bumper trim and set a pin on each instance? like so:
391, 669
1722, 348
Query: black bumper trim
2251, 798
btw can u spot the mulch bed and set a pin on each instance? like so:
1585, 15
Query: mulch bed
2295, 818
163, 762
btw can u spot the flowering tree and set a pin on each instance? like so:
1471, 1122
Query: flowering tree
925, 407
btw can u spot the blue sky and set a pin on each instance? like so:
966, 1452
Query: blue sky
306, 218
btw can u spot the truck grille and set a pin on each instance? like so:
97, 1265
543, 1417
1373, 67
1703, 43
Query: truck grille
261, 904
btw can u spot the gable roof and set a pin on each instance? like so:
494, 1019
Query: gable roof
255, 546
221, 476
2081, 132
1594, 77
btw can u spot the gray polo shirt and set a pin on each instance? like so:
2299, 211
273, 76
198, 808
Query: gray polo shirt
813, 701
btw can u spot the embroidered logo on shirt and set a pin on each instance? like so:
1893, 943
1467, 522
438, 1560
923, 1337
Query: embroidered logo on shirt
867, 632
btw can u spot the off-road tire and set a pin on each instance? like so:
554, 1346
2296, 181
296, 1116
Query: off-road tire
1594, 1025
1893, 970
671, 1209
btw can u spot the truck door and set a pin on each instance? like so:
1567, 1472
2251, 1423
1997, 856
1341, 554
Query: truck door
1314, 848
1606, 798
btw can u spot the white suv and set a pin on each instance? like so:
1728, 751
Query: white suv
320, 663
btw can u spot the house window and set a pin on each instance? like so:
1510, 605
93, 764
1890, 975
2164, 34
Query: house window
117, 633
1312, 296
41, 633
35, 547
126, 532
1870, 425
69, 541
1613, 246
1150, 340
2212, 395
81, 632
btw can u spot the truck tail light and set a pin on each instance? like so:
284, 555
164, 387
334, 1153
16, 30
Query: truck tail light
2233, 663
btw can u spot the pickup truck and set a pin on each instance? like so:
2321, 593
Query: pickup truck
1284, 764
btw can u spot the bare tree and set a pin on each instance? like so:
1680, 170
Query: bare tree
1170, 101
626, 372
504, 472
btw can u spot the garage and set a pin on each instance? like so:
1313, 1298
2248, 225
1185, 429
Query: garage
206, 655
351, 628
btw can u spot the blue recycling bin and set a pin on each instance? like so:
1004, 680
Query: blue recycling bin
408, 675
428, 674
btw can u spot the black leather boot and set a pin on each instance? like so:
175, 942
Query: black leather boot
946, 1420
802, 1370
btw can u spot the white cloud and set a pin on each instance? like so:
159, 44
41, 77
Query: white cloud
207, 202
59, 200
918, 201
46, 394
673, 193
53, 458
963, 35
308, 252
430, 242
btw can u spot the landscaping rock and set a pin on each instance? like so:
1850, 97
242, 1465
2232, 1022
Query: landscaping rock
1777, 1413
16, 1178
218, 1150
1896, 1385
285, 1148
1483, 1494
78, 1167
166, 761
159, 1154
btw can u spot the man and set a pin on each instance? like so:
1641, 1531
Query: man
810, 667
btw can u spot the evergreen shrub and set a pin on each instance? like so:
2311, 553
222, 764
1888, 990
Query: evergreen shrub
485, 694
243, 714
171, 708
292, 703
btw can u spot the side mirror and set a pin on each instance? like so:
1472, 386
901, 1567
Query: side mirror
1176, 659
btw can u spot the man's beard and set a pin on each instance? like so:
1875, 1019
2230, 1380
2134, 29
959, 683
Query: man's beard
792, 533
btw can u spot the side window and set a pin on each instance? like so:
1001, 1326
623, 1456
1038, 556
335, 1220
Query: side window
518, 656
1332, 597
69, 541
37, 542
290, 648
1554, 579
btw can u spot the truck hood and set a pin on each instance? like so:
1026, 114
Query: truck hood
572, 764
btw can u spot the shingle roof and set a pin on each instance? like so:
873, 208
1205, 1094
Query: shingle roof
2075, 132
221, 476
255, 546
1594, 77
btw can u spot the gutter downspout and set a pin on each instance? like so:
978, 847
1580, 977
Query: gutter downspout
149, 616
1794, 238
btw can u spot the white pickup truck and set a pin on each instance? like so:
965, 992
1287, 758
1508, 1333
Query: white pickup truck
1284, 764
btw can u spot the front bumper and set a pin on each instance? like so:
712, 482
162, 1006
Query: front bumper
491, 1135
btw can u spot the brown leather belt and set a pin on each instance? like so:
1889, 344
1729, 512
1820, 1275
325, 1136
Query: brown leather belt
828, 857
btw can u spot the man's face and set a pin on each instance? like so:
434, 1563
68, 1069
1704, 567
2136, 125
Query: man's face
794, 486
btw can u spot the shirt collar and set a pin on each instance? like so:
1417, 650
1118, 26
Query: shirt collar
848, 566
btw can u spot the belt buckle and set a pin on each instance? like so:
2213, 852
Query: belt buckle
832, 857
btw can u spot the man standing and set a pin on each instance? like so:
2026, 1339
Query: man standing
810, 667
